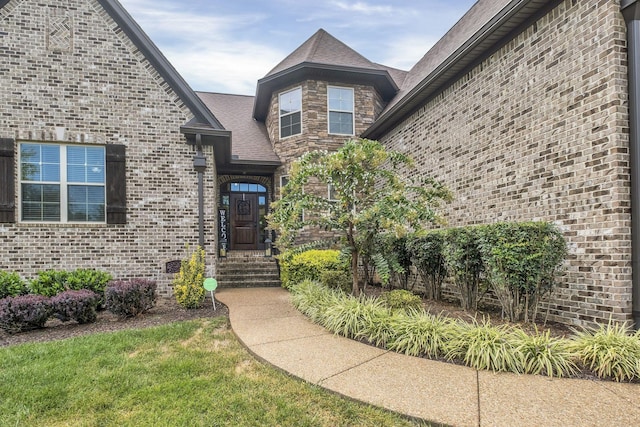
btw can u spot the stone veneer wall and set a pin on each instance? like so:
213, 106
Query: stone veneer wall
95, 87
539, 131
315, 135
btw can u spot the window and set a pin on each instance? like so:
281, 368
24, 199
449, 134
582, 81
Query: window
331, 193
284, 180
290, 112
340, 100
62, 183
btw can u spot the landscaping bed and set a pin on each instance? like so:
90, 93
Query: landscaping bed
165, 311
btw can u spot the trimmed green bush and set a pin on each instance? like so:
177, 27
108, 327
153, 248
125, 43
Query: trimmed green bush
337, 279
309, 265
462, 257
401, 299
86, 278
129, 298
24, 313
188, 285
520, 262
80, 305
49, 282
427, 257
12, 285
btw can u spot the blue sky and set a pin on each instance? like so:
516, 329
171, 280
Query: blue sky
227, 45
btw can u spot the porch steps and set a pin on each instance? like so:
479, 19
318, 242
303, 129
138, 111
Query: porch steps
247, 269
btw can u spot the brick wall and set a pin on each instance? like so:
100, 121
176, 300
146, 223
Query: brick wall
93, 86
539, 131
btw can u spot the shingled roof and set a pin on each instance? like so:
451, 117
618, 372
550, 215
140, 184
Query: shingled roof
485, 27
324, 57
250, 144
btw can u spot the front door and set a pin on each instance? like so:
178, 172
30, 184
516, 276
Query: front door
244, 221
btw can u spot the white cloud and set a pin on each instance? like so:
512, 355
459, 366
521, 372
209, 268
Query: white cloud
207, 50
363, 7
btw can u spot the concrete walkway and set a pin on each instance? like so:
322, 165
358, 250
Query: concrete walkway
273, 330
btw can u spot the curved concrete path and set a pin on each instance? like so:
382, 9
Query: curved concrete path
264, 320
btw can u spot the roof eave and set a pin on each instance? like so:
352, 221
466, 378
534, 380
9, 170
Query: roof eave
308, 70
510, 18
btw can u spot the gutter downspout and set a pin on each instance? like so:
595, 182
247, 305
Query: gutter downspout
200, 164
631, 12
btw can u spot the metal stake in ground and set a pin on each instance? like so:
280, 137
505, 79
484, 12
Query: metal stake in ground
210, 284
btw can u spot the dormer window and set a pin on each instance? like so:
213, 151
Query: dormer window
290, 103
340, 101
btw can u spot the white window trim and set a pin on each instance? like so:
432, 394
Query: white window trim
280, 116
282, 177
329, 193
63, 183
352, 111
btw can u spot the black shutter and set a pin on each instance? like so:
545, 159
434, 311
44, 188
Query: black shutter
116, 184
7, 181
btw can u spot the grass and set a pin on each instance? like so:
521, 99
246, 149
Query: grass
187, 373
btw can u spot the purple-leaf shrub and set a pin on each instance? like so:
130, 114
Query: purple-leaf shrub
79, 305
128, 298
24, 313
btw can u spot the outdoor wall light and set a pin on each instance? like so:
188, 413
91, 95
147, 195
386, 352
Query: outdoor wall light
268, 248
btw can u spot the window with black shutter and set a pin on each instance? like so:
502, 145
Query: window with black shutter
116, 184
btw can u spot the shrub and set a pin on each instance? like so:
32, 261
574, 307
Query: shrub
400, 299
392, 260
463, 261
543, 354
188, 285
49, 282
428, 259
23, 313
11, 285
609, 351
521, 261
130, 298
309, 265
80, 305
483, 346
337, 279
94, 280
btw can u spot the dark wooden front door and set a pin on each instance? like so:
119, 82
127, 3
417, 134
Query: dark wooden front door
244, 221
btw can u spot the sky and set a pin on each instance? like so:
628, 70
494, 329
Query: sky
225, 46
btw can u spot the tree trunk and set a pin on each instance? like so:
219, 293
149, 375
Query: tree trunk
354, 272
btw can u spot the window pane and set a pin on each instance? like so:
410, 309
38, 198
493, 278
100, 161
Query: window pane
290, 125
76, 173
40, 162
86, 203
290, 101
50, 154
253, 188
261, 189
262, 200
40, 202
341, 123
95, 195
85, 164
340, 99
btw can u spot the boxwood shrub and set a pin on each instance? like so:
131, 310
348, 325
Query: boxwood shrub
128, 298
12, 285
309, 265
78, 305
23, 313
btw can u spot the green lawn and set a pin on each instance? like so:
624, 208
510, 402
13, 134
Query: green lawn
183, 374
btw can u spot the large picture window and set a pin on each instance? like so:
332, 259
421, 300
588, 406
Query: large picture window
340, 100
62, 183
290, 112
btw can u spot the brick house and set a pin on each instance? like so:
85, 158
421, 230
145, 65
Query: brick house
525, 109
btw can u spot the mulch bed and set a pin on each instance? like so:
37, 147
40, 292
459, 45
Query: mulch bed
165, 311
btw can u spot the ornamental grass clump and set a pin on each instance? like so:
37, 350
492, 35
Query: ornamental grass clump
313, 299
351, 314
483, 346
188, 285
542, 354
381, 329
417, 333
610, 351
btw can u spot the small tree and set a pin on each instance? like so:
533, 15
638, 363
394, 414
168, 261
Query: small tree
188, 283
369, 198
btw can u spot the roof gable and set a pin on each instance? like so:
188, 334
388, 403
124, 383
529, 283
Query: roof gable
323, 57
